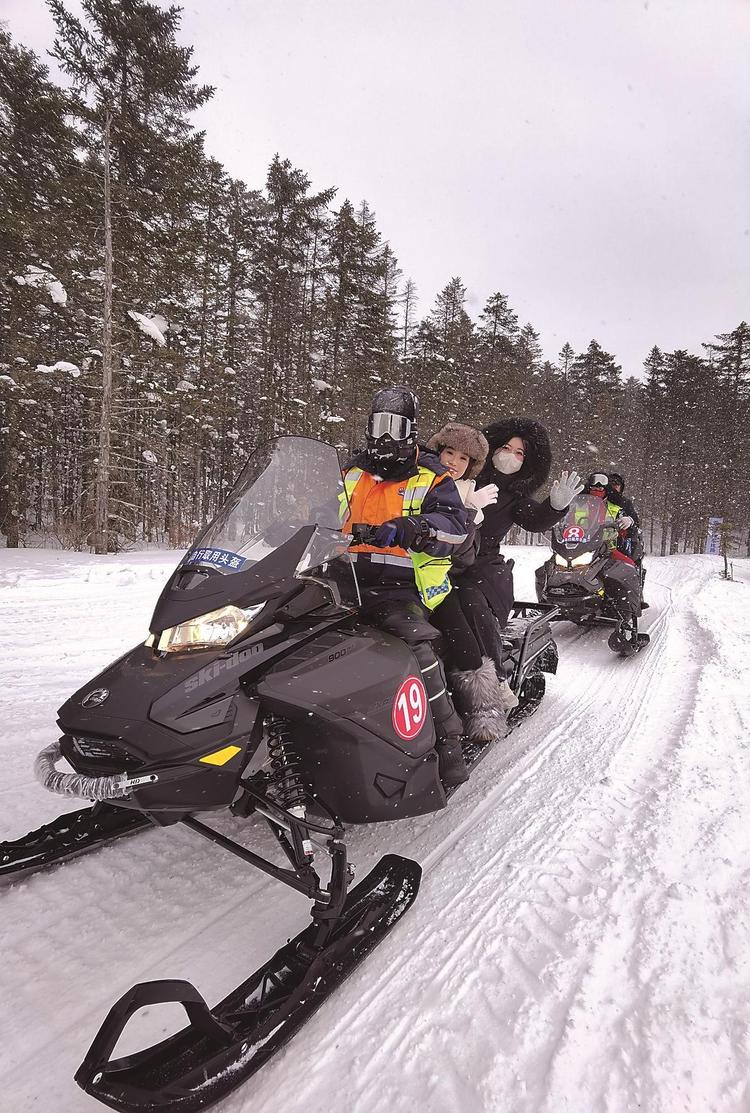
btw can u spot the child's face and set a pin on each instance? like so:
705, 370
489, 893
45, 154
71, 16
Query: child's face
456, 462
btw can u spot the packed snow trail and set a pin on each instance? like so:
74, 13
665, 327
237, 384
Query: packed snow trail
579, 941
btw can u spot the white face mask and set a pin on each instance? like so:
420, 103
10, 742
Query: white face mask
506, 462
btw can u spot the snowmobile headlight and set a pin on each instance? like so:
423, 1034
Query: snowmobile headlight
207, 631
561, 561
584, 558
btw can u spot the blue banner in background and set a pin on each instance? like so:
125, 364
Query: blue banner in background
220, 558
713, 537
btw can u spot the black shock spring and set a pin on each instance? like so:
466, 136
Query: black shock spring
285, 763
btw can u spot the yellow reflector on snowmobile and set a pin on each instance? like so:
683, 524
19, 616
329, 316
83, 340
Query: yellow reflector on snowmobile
221, 757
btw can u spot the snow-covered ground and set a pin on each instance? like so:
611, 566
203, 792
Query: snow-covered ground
580, 941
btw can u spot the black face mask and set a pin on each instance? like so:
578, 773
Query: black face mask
392, 464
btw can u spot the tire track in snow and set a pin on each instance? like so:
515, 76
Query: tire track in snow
369, 998
349, 1020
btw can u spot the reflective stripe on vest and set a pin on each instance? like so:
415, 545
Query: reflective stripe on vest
612, 509
430, 573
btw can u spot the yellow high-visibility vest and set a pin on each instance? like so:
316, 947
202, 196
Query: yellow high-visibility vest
430, 573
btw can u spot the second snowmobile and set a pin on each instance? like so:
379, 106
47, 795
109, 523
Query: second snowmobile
259, 690
589, 580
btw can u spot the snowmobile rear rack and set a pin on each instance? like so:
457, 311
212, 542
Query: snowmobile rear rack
222, 1047
540, 614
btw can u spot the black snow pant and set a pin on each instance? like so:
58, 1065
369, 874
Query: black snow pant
399, 611
622, 587
485, 592
463, 650
488, 583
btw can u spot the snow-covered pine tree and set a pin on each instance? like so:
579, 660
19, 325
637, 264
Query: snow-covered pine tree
496, 337
598, 417
39, 172
358, 336
280, 281
729, 359
443, 360
135, 90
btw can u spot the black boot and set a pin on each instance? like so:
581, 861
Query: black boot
448, 726
451, 763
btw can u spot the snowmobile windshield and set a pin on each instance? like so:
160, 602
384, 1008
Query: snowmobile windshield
584, 522
286, 485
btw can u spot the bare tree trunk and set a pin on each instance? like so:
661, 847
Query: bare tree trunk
408, 307
11, 476
664, 525
101, 529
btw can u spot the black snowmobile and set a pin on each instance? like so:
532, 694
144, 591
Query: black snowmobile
259, 689
590, 582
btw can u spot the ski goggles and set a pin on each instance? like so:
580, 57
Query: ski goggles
395, 426
599, 480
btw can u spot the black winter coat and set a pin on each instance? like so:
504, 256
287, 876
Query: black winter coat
626, 504
490, 573
514, 506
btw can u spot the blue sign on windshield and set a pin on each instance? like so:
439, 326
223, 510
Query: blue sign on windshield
222, 558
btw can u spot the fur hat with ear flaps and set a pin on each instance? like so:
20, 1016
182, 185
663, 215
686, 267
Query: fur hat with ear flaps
537, 463
462, 438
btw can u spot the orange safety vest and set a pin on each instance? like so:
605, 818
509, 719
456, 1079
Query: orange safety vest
372, 502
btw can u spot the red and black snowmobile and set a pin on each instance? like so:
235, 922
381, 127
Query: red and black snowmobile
589, 579
260, 690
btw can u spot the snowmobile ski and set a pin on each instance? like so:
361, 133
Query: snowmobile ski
66, 837
222, 1047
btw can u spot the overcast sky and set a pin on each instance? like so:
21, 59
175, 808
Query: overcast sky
589, 158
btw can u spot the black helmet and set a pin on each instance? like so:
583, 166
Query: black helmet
392, 424
616, 478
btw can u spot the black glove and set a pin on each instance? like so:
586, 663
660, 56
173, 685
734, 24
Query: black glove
398, 531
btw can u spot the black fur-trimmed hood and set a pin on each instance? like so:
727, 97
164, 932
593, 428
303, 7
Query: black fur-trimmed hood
536, 466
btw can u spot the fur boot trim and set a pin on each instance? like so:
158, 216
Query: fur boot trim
480, 700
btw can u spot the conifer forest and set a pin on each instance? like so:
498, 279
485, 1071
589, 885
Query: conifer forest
159, 319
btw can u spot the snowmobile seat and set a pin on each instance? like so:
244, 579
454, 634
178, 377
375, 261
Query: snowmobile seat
403, 620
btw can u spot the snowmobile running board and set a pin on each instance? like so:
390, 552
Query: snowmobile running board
66, 837
222, 1047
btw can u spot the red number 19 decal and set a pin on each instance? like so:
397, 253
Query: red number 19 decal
409, 708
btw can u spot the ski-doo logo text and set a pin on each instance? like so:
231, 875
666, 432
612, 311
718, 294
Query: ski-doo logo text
224, 664
93, 699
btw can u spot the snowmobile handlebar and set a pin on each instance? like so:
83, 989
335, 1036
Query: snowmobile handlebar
363, 533
76, 784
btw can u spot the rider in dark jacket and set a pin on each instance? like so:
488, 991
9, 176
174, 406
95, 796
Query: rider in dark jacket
519, 463
417, 520
615, 493
633, 541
